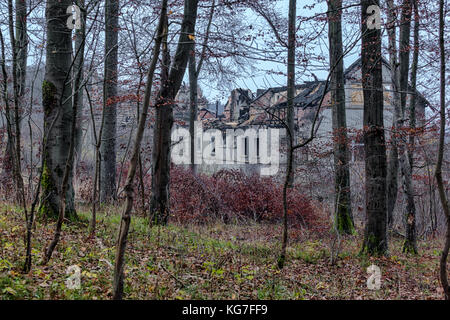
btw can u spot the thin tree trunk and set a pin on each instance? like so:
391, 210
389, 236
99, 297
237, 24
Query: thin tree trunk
108, 145
410, 244
194, 72
414, 65
78, 92
97, 141
439, 179
28, 217
289, 179
141, 183
193, 103
284, 240
8, 163
344, 217
291, 86
30, 129
20, 56
126, 213
159, 204
30, 221
392, 165
375, 236
21, 47
97, 171
18, 74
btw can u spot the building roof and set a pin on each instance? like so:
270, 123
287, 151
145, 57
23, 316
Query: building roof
311, 95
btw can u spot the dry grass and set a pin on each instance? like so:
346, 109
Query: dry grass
207, 262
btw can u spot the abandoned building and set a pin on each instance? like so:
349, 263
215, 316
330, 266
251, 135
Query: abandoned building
267, 109
243, 110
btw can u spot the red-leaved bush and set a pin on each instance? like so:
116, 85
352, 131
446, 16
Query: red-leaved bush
233, 195
228, 195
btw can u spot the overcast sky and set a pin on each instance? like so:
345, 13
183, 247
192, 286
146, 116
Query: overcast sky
263, 79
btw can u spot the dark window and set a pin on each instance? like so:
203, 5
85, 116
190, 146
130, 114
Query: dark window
246, 147
257, 147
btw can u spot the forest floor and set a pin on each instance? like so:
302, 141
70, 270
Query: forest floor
206, 262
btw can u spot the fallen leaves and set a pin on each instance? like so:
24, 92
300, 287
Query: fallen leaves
209, 262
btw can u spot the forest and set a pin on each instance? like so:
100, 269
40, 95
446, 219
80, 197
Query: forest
224, 150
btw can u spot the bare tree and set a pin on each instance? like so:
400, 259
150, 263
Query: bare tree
414, 66
108, 138
19, 45
392, 162
400, 154
126, 213
159, 204
194, 71
344, 217
69, 161
410, 215
438, 172
78, 67
57, 104
19, 56
289, 122
375, 236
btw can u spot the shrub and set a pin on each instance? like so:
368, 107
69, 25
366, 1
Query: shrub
230, 194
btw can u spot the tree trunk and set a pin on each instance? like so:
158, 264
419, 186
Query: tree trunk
414, 65
21, 47
410, 215
193, 103
439, 179
96, 178
410, 244
18, 38
8, 164
289, 179
159, 204
108, 144
375, 236
19, 44
344, 217
392, 165
78, 66
194, 72
68, 169
291, 87
391, 180
57, 104
126, 214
